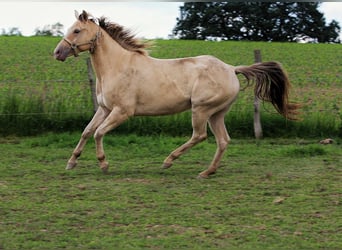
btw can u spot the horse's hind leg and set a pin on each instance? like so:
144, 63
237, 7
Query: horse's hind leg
98, 118
218, 128
199, 124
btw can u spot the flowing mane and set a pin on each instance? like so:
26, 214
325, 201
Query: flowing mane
123, 36
120, 34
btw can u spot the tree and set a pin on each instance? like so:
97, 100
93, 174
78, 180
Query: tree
257, 21
330, 32
50, 30
14, 31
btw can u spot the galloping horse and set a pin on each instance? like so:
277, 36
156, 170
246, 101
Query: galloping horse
131, 83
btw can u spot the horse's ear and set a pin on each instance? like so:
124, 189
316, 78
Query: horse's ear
77, 14
83, 17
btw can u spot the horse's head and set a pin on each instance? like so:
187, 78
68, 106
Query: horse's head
81, 36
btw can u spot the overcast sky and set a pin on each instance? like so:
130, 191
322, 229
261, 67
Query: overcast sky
147, 19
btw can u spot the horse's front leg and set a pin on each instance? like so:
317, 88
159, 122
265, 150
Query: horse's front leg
114, 119
98, 118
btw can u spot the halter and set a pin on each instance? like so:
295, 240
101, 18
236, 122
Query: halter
92, 42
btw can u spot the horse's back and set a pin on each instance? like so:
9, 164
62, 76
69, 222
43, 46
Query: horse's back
189, 70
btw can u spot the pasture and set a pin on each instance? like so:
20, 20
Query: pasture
270, 194
283, 192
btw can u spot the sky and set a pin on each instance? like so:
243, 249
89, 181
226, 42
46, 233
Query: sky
147, 19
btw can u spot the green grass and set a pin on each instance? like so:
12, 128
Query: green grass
282, 193
39, 94
269, 194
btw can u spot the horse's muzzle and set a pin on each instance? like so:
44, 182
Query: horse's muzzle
62, 52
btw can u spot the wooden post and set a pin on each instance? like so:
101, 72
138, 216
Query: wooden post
257, 123
92, 83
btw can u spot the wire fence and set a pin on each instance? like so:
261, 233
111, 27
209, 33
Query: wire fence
48, 90
62, 104
8, 88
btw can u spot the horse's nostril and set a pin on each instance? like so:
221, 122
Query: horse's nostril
57, 53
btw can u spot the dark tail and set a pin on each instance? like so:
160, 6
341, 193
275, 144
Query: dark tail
272, 85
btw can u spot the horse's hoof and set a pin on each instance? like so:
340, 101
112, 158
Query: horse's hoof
104, 167
71, 165
205, 175
166, 165
202, 176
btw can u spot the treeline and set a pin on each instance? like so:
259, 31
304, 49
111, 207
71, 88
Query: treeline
254, 21
48, 30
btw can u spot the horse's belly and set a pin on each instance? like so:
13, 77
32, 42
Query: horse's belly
162, 106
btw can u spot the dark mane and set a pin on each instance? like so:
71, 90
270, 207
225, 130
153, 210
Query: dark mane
123, 36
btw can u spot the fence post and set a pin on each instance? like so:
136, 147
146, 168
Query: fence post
257, 123
92, 83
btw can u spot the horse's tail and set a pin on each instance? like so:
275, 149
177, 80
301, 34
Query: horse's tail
272, 85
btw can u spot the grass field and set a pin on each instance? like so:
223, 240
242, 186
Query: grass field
279, 193
270, 194
39, 94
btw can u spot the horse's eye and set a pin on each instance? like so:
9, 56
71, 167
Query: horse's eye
76, 31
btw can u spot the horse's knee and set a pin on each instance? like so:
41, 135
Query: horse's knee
98, 135
223, 144
199, 137
86, 134
203, 137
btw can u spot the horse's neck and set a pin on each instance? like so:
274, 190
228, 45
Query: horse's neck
108, 56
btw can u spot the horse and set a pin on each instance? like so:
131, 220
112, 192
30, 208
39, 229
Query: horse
130, 83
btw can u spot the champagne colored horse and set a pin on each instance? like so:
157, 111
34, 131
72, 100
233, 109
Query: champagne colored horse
131, 83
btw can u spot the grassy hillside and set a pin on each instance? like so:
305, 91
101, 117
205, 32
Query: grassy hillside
40, 94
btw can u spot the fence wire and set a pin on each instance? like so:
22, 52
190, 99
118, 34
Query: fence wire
50, 92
